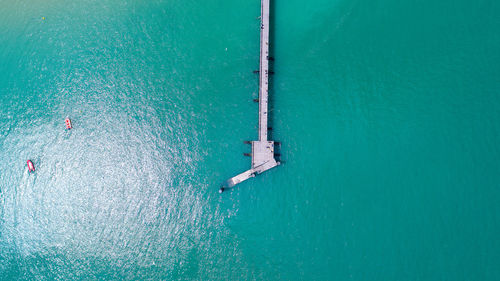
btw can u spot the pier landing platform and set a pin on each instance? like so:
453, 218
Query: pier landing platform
262, 160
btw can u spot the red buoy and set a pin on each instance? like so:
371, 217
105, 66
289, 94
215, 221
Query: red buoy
68, 124
31, 167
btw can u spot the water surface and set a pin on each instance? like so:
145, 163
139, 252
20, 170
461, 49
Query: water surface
388, 114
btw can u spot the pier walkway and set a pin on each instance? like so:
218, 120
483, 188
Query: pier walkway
263, 149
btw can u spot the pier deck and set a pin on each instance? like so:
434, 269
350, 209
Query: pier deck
263, 149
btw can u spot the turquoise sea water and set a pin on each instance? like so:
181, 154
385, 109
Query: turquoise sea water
388, 113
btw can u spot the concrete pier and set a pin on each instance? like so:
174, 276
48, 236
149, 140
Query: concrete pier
263, 149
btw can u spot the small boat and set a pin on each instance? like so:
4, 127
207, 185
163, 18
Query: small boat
31, 167
68, 124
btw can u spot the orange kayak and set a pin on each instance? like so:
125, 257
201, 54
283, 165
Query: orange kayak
31, 167
68, 124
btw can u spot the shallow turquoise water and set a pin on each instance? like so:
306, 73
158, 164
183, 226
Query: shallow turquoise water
388, 113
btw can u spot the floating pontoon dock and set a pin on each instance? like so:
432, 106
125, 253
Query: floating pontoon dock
263, 149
